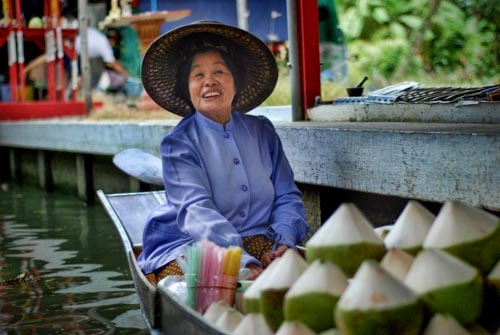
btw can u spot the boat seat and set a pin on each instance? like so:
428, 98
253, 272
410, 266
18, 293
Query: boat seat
130, 211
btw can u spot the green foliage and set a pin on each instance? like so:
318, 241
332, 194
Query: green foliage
392, 41
383, 57
395, 39
380, 18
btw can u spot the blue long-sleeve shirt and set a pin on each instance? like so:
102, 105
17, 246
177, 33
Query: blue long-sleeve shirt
222, 183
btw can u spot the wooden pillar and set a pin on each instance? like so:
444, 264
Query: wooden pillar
303, 36
45, 171
84, 177
16, 172
312, 205
83, 20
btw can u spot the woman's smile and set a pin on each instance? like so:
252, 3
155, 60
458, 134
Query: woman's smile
211, 86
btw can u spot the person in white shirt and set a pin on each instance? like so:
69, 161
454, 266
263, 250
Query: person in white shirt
101, 57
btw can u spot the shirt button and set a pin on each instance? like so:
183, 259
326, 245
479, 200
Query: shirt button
244, 188
242, 214
236, 161
226, 135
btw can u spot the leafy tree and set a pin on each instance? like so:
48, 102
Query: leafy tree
397, 39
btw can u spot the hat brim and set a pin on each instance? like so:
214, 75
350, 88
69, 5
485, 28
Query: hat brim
162, 59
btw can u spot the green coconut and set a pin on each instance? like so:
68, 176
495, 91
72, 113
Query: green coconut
312, 298
294, 328
253, 323
229, 320
447, 284
383, 231
467, 232
397, 262
375, 302
347, 239
277, 284
215, 310
410, 229
441, 324
251, 296
332, 331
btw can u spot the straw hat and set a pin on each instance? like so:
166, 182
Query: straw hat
160, 66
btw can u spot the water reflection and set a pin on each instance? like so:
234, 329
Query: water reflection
83, 284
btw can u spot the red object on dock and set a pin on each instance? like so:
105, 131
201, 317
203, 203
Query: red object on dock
40, 109
50, 40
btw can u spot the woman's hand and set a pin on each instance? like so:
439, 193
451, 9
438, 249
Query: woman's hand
255, 271
270, 256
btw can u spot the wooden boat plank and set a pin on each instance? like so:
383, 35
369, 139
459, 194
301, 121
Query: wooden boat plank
148, 294
163, 312
128, 212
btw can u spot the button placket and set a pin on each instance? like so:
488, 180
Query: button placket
237, 162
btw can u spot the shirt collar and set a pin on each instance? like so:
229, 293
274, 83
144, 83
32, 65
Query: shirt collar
209, 123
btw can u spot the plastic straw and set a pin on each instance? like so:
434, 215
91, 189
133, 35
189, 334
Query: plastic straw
211, 273
193, 255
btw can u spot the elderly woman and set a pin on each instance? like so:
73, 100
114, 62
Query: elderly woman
226, 176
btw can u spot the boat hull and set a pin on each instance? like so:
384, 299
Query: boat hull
163, 312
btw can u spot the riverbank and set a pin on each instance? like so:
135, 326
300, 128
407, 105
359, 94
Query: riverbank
377, 165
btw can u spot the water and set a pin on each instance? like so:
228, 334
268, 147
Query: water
83, 284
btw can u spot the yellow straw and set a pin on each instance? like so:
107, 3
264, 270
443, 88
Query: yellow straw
227, 260
234, 261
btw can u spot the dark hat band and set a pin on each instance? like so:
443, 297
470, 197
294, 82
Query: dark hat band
205, 42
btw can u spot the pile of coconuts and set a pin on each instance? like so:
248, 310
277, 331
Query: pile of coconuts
425, 274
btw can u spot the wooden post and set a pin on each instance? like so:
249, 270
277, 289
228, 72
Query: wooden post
84, 176
83, 21
50, 52
16, 172
20, 51
303, 36
45, 171
12, 51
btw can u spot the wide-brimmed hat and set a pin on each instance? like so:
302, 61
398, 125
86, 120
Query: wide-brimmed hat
163, 57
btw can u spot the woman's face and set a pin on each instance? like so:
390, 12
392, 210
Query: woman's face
211, 86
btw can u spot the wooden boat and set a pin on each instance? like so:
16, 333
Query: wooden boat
163, 312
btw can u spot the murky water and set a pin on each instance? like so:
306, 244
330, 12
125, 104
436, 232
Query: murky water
83, 284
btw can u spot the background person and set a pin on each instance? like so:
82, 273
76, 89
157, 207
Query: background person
101, 58
226, 176
126, 48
